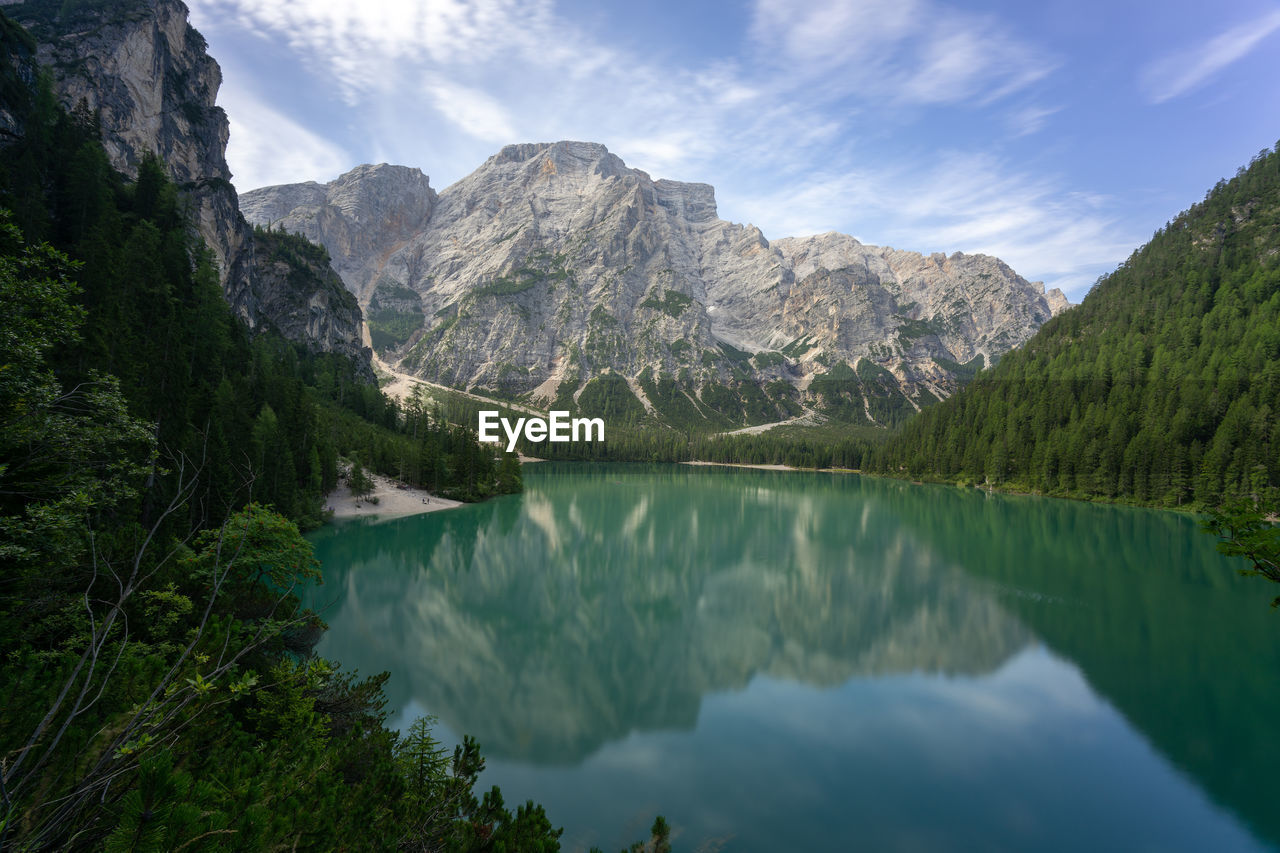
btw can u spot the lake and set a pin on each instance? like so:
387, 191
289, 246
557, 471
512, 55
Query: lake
801, 661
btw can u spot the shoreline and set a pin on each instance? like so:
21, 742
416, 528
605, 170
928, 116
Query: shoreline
395, 500
763, 467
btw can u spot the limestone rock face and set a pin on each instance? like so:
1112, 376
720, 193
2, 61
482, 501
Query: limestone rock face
1057, 300
555, 264
362, 217
324, 315
144, 70
953, 307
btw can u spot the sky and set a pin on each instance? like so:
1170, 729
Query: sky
1057, 135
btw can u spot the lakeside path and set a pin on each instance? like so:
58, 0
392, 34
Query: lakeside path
401, 387
393, 501
806, 418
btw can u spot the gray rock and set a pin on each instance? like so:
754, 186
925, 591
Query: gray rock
146, 73
362, 217
552, 264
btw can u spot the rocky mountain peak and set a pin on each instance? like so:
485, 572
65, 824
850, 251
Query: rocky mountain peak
554, 268
360, 216
691, 202
562, 160
1057, 300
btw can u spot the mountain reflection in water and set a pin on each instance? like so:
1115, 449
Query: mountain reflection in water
608, 602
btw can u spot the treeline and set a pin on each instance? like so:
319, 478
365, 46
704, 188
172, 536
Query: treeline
159, 688
826, 446
798, 447
1163, 387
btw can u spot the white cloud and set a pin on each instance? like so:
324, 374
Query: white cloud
357, 35
268, 147
915, 51
1029, 120
973, 203
504, 71
1181, 72
473, 111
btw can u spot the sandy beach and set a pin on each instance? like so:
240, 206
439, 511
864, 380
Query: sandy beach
393, 501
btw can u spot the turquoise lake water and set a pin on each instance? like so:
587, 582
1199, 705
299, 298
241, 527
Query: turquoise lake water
799, 661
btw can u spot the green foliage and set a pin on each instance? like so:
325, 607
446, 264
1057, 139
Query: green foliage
257, 547
608, 396
798, 347
357, 480
541, 268
830, 446
156, 814
659, 839
307, 264
503, 286
765, 360
676, 404
390, 329
292, 249
33, 13
18, 48
394, 314
909, 331
839, 393
1161, 388
724, 401
734, 355
66, 454
154, 459
1245, 531
673, 303
963, 372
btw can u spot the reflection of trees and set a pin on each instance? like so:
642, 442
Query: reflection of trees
606, 601
1158, 621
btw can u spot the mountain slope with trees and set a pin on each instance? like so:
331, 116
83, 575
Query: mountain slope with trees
1162, 387
158, 687
144, 74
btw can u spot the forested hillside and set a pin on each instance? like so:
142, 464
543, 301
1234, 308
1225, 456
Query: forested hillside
1162, 387
158, 690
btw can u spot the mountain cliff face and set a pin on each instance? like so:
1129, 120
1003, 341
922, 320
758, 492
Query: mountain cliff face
361, 218
555, 266
297, 290
144, 71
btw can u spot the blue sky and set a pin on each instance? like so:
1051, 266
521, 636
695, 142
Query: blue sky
1057, 134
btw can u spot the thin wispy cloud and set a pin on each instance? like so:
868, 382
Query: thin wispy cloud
1181, 72
915, 51
472, 110
971, 203
357, 35
1029, 120
268, 146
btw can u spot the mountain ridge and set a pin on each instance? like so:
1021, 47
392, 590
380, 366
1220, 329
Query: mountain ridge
553, 265
1161, 387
